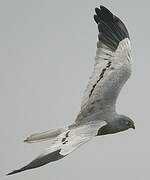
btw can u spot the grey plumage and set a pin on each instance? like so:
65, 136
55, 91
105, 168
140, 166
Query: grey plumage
98, 115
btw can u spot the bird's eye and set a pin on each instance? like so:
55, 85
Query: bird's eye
127, 122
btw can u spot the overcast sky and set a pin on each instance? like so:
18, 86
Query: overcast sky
47, 54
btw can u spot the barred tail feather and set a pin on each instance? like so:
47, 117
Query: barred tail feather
111, 28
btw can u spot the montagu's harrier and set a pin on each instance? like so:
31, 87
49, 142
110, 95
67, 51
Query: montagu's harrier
98, 116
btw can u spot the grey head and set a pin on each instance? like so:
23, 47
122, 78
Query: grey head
123, 123
118, 124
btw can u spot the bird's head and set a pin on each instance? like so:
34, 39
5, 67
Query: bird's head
125, 123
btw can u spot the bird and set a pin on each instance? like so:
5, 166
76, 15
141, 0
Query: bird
97, 115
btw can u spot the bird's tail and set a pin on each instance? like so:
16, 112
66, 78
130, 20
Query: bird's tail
47, 135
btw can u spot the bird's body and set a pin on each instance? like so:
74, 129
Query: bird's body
98, 114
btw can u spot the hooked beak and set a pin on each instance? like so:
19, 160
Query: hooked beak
133, 126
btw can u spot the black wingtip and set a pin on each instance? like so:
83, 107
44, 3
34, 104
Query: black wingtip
105, 10
103, 13
17, 171
11, 173
96, 18
97, 10
40, 161
111, 28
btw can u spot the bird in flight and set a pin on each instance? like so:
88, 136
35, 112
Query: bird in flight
98, 115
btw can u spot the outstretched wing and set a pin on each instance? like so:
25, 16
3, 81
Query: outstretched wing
112, 62
64, 144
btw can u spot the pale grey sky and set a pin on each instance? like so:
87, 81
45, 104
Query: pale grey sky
47, 54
